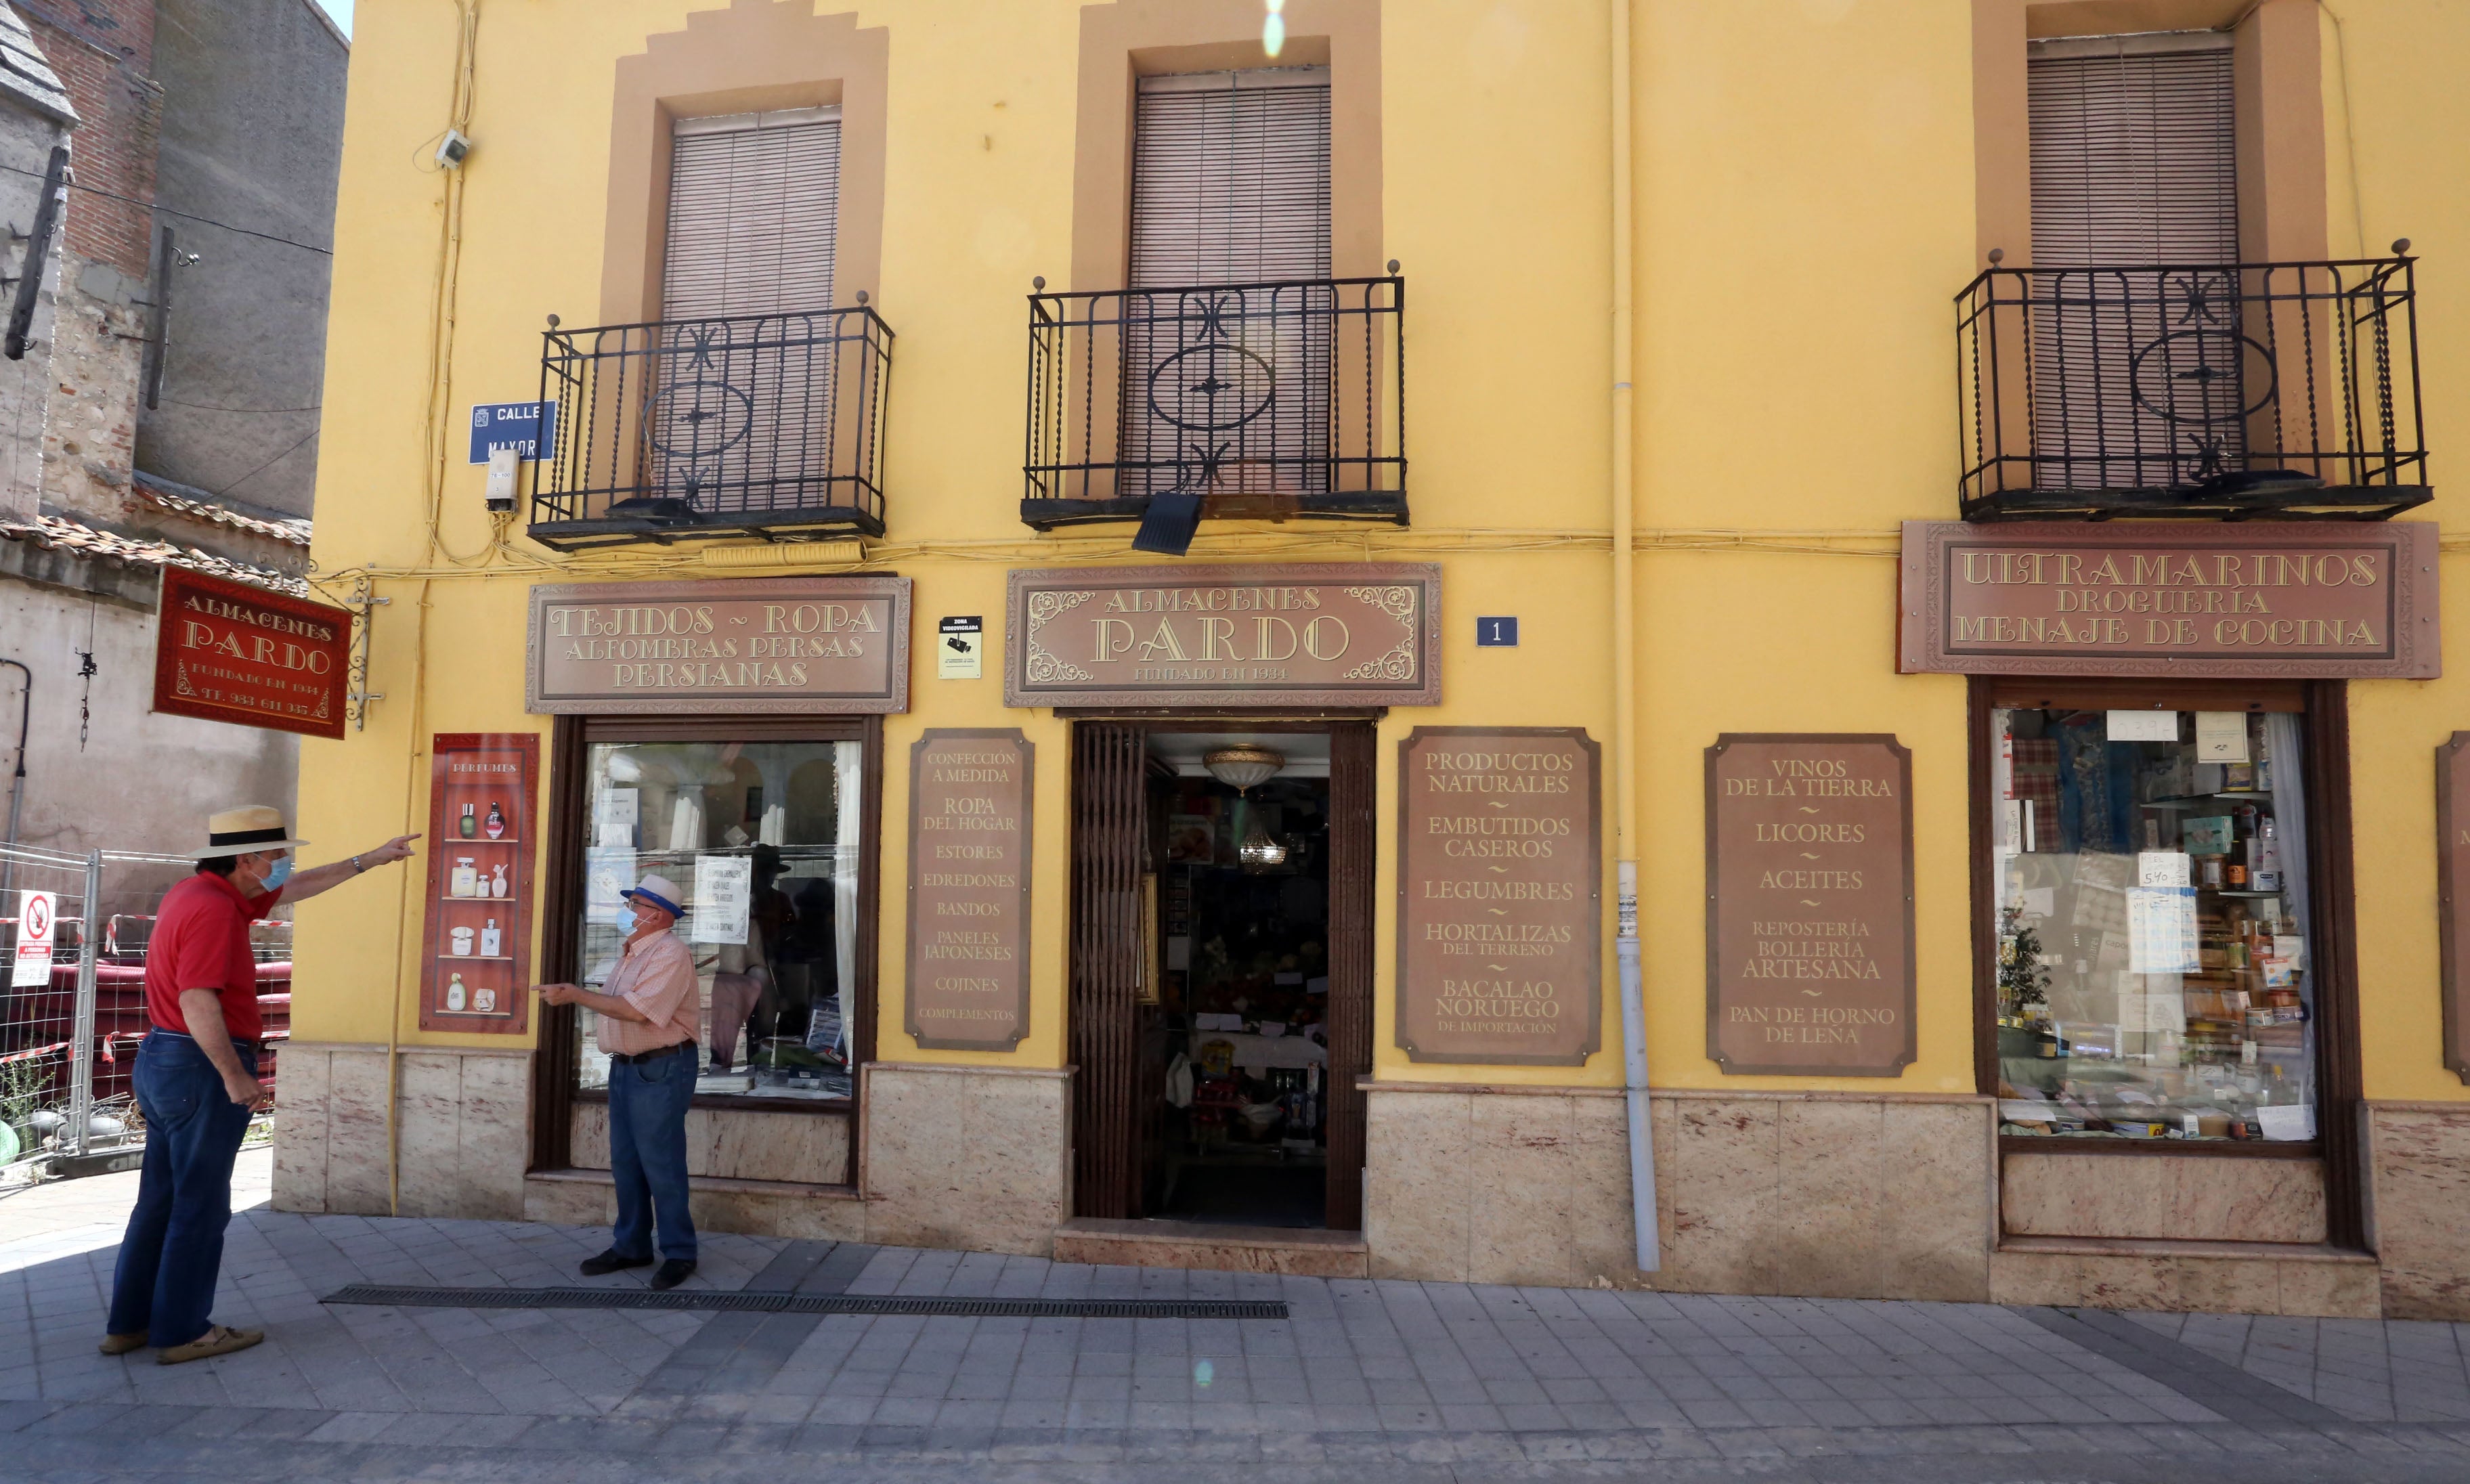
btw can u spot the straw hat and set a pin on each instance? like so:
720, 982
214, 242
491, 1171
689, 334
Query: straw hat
242, 830
657, 892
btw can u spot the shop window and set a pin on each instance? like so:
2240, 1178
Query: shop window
2155, 972
765, 839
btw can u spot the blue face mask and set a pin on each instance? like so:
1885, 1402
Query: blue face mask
626, 922
277, 875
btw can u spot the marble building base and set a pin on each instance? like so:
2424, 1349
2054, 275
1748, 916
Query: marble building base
2418, 1154
761, 1208
2153, 1196
464, 1131
2186, 1277
977, 1158
734, 1144
973, 1157
1821, 1194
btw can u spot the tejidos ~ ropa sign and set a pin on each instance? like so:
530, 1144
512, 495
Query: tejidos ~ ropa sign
228, 652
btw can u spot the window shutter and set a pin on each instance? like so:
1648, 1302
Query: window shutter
2134, 154
1230, 179
2135, 165
754, 212
1228, 393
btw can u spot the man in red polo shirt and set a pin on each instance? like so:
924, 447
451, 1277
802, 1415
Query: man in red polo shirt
196, 1081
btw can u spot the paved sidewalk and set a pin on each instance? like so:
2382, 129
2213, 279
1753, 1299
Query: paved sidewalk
1365, 1381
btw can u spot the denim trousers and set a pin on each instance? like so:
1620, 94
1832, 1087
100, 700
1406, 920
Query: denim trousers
174, 1249
647, 1153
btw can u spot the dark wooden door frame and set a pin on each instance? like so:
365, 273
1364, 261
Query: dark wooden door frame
1102, 974
559, 1053
2326, 772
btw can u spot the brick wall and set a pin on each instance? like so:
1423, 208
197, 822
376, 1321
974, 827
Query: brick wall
104, 51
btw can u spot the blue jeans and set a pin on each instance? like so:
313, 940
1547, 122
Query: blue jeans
647, 1153
174, 1249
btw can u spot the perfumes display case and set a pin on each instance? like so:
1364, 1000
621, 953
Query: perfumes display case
481, 819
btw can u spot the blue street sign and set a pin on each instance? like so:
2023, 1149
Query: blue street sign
1491, 632
522, 425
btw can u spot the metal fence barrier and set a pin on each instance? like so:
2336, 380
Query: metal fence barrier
69, 1041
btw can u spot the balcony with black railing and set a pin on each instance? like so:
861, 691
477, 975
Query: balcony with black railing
2246, 391
1269, 401
767, 425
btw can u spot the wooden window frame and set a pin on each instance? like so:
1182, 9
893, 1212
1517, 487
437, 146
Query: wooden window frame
555, 1062
2333, 946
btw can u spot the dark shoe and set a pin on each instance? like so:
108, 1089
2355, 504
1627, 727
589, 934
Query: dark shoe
674, 1271
609, 1262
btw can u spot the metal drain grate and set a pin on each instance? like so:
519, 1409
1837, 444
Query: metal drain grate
811, 1303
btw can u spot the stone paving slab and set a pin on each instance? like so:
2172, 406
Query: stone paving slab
1364, 1381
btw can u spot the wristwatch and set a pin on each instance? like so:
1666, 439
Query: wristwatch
356, 867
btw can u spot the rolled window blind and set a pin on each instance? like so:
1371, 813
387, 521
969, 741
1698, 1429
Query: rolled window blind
1228, 391
753, 212
2135, 166
1230, 179
2134, 157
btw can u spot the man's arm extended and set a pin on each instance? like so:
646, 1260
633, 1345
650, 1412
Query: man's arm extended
204, 1014
614, 1007
309, 881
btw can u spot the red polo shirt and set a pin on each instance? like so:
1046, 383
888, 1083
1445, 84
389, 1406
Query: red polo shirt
200, 942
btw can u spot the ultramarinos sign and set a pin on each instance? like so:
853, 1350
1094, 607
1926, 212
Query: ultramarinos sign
2313, 600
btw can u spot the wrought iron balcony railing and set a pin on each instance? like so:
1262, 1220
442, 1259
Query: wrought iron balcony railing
768, 423
2287, 390
1265, 400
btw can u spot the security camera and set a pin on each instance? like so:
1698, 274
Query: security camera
452, 148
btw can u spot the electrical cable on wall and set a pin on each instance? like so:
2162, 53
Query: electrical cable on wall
184, 216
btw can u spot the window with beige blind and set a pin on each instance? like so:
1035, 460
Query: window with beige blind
2135, 166
1228, 320
743, 417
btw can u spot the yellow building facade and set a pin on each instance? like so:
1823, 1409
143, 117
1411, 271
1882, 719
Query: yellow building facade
1675, 387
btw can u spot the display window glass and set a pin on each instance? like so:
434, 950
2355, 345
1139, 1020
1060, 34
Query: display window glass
764, 841
2153, 971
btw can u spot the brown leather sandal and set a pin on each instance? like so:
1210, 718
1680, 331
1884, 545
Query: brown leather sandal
219, 1339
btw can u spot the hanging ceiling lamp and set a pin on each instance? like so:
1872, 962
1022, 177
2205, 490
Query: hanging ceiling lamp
1239, 767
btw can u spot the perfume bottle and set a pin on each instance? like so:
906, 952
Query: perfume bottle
489, 940
456, 997
460, 941
468, 827
496, 824
484, 1001
497, 881
465, 882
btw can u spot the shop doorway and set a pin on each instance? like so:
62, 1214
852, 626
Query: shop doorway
1220, 946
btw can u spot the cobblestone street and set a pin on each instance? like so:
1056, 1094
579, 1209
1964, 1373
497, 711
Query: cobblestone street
1364, 1381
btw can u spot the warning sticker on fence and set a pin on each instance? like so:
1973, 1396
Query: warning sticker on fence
34, 955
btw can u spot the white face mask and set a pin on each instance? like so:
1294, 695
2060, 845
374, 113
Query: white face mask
626, 922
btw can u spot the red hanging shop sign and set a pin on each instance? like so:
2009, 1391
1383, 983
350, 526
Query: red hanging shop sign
228, 652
